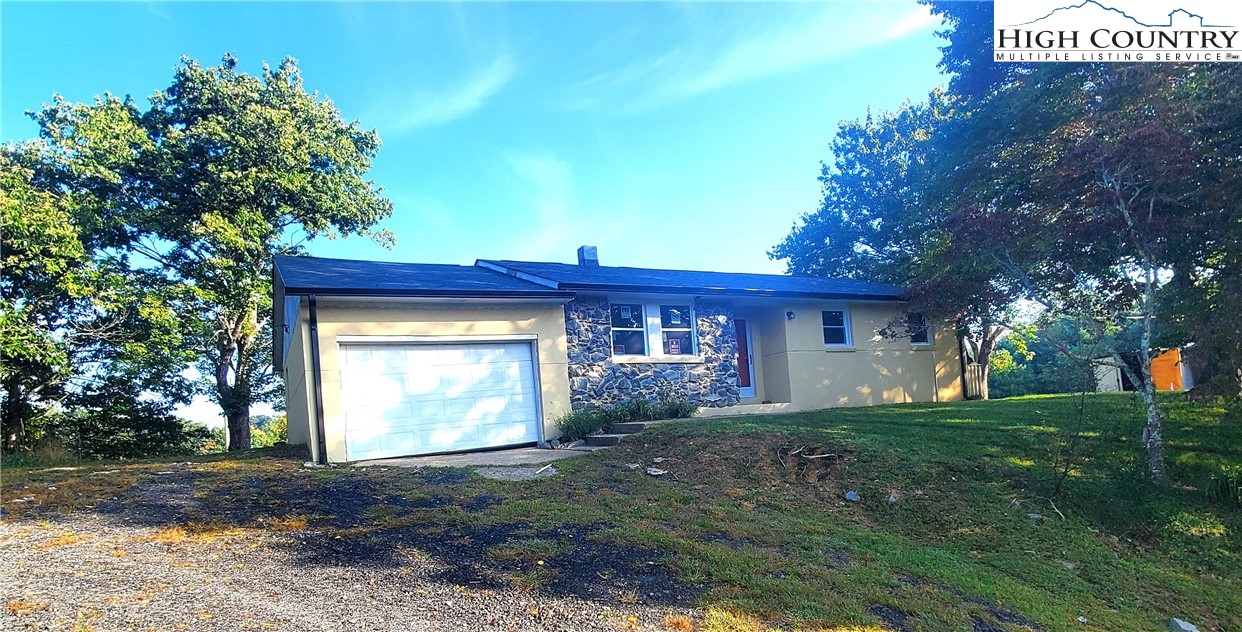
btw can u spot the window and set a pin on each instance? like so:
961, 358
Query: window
836, 328
640, 329
629, 337
920, 331
677, 329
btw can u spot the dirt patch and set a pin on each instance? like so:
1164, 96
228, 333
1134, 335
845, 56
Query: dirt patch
890, 617
515, 473
482, 502
742, 466
584, 566
1000, 614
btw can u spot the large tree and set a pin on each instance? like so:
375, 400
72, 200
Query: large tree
1086, 187
880, 220
220, 173
74, 322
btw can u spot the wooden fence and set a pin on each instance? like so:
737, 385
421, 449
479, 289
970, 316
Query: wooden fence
976, 385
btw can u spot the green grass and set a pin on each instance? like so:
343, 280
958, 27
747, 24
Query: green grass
766, 534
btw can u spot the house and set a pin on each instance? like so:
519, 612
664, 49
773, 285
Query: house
1169, 372
391, 359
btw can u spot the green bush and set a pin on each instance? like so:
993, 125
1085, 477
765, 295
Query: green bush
1226, 486
585, 421
117, 423
580, 423
267, 431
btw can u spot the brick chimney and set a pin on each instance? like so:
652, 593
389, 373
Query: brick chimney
588, 256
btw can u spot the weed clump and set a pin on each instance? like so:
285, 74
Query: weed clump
577, 424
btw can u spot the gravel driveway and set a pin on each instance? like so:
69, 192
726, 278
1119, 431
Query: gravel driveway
139, 561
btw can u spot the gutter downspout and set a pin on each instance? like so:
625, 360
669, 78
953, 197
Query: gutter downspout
321, 441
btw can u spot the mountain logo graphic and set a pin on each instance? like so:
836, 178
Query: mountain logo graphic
1136, 21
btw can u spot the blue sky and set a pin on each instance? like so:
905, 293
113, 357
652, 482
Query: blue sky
668, 135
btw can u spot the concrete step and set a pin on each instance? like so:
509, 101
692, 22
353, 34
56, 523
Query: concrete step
631, 427
588, 448
603, 439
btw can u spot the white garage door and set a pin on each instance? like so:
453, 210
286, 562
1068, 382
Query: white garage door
403, 399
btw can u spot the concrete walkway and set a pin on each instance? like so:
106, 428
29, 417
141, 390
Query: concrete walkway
502, 458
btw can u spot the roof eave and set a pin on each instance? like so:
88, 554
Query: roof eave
719, 291
463, 294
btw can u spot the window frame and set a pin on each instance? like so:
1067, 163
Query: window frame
927, 329
653, 330
846, 324
612, 341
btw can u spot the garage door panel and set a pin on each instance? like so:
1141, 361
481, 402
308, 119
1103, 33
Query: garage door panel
414, 399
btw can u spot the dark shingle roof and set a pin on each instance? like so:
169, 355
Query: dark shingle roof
349, 277
611, 278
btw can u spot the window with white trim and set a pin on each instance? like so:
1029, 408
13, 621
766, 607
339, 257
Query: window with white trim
655, 329
920, 330
629, 333
836, 327
677, 329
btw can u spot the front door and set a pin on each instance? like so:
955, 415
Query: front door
745, 363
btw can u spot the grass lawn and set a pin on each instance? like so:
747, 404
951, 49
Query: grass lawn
752, 516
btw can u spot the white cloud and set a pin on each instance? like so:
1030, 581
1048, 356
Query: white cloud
553, 189
559, 218
719, 58
407, 111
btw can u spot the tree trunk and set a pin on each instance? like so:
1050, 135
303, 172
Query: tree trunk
14, 415
1153, 438
983, 355
239, 429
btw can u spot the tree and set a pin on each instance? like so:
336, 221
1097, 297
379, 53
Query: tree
44, 291
1204, 297
1086, 187
74, 322
223, 171
880, 221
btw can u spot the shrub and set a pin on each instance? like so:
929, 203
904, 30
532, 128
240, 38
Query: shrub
1226, 486
580, 423
676, 408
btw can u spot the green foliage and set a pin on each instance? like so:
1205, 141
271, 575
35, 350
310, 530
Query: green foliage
72, 317
577, 424
1225, 486
119, 429
585, 421
221, 173
881, 219
267, 431
1032, 361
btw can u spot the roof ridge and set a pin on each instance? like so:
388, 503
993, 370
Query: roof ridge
766, 274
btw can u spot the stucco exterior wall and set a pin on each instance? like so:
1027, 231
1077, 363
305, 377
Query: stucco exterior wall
299, 396
871, 371
547, 323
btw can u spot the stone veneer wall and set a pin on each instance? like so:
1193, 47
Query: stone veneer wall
595, 380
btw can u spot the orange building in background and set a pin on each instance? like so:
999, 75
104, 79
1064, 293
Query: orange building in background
1168, 373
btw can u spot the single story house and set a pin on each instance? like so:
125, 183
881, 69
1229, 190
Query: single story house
392, 359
